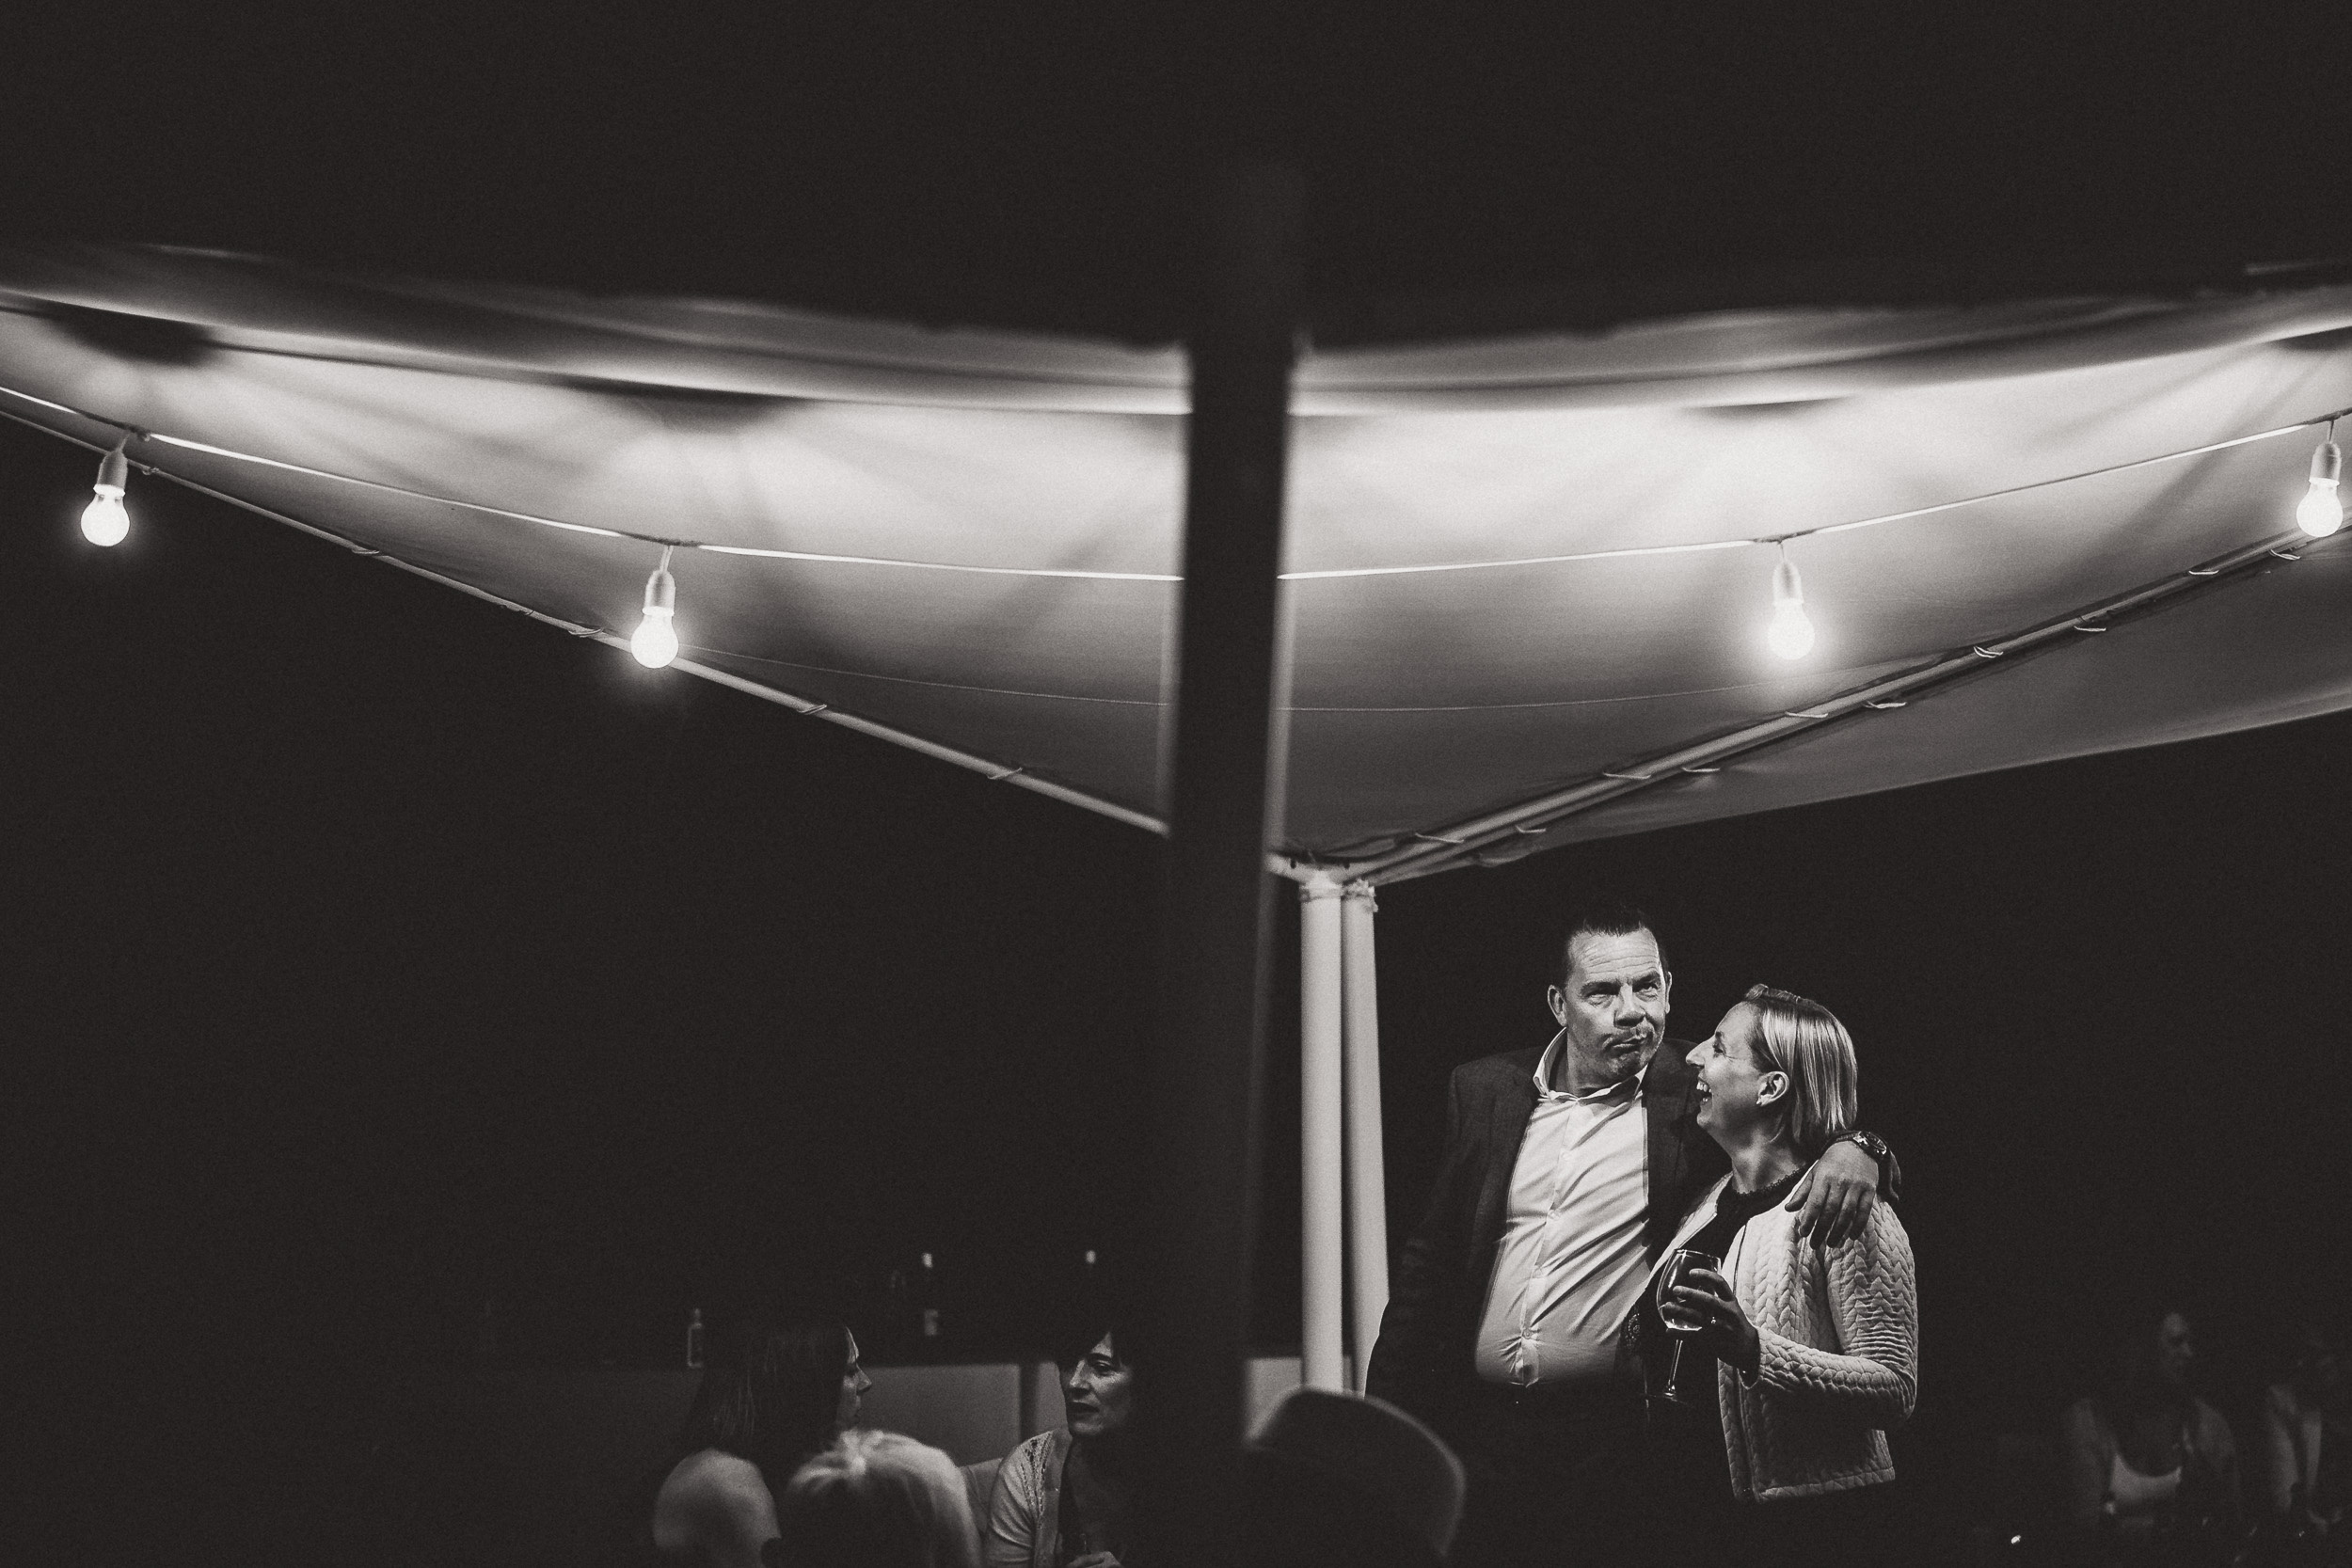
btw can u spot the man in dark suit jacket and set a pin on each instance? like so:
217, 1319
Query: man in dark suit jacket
1566, 1168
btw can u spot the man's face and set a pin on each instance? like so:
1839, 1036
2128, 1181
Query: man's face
2176, 1351
1612, 1009
2319, 1366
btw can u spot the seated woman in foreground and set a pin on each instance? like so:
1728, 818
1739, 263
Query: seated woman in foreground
777, 1391
1818, 1349
2150, 1469
1062, 1496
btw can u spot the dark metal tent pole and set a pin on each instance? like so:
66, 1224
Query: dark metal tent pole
1225, 799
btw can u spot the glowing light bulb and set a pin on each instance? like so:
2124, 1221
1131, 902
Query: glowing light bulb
656, 643
2322, 511
104, 521
1791, 631
1790, 635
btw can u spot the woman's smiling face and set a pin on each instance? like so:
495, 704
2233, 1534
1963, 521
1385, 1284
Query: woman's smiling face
1734, 1090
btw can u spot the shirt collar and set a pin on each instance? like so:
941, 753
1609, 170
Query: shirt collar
1545, 1095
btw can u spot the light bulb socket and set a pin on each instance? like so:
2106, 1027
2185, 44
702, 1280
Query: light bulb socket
661, 592
1786, 588
2327, 463
114, 473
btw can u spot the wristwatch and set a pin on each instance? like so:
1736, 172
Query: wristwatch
1890, 1174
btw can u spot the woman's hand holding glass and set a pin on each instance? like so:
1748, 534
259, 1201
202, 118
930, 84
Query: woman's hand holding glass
1705, 1298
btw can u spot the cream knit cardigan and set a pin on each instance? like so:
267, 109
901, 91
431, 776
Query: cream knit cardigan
1839, 1362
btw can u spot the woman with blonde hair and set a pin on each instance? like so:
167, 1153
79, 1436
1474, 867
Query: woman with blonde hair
874, 1499
1817, 1349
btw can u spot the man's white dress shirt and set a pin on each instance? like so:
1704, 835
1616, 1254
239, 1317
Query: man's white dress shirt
1571, 1263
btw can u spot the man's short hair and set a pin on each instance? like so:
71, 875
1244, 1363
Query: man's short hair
1604, 916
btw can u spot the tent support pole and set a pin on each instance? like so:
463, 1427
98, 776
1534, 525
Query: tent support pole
1224, 795
1322, 1318
1367, 1174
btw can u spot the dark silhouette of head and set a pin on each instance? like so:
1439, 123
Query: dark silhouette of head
771, 1393
2156, 1352
1334, 1481
874, 1499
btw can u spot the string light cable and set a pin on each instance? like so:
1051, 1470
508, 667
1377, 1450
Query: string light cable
2326, 468
1029, 780
2318, 516
1464, 843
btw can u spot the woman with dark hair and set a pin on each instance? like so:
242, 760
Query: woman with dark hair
1063, 1498
2150, 1469
777, 1392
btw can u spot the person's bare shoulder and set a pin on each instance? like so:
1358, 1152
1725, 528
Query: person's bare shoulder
712, 1497
710, 1472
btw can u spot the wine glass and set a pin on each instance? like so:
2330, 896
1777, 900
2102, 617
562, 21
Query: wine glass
1682, 1325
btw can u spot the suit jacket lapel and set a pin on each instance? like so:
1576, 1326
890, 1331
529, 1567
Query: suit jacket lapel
1506, 1129
1665, 1100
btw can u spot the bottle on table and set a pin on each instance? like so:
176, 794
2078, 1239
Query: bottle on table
928, 1322
694, 1338
898, 1317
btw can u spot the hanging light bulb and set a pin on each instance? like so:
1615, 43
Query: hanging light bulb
103, 520
656, 643
2322, 512
1790, 635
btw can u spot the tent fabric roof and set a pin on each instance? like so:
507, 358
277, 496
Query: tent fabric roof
1518, 563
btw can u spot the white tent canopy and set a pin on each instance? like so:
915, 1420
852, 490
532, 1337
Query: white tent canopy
1520, 567
1529, 577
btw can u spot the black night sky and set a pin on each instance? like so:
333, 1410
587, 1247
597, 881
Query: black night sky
373, 953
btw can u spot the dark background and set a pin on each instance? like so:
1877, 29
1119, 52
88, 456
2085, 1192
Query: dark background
1514, 163
372, 955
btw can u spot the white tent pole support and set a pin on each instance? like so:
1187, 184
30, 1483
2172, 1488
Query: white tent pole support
1461, 843
1367, 1170
1322, 1356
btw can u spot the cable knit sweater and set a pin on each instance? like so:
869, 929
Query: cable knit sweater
1838, 1333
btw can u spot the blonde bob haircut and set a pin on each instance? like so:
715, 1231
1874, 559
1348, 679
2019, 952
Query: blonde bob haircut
1802, 1041
875, 1499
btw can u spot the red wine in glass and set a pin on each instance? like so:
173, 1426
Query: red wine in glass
1680, 1325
